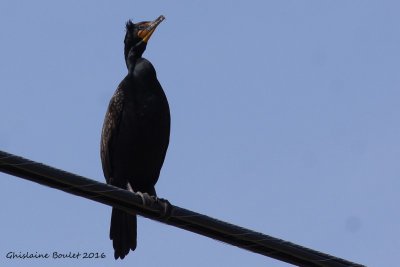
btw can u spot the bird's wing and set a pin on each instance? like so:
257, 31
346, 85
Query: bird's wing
109, 132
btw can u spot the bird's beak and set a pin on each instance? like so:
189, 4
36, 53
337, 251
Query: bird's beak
151, 26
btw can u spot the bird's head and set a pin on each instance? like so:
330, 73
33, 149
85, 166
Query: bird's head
138, 34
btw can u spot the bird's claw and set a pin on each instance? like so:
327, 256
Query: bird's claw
161, 205
167, 207
146, 198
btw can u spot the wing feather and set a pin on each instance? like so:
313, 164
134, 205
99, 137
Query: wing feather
110, 130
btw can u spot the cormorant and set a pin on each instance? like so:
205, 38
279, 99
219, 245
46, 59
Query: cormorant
135, 133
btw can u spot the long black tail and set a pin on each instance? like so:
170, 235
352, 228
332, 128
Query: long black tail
123, 232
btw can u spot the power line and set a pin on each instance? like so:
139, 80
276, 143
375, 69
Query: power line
163, 211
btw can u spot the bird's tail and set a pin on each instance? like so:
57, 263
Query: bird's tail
123, 232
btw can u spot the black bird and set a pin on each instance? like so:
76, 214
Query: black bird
135, 133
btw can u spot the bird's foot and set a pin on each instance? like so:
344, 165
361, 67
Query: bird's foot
146, 198
166, 207
162, 206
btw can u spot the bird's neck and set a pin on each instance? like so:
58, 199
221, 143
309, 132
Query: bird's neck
135, 53
131, 63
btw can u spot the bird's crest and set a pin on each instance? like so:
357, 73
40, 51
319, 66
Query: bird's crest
129, 25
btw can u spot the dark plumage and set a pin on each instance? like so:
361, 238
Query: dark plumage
135, 133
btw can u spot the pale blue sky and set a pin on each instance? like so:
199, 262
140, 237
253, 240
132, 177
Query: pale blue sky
284, 120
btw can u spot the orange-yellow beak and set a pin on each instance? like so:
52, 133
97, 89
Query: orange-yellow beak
150, 27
